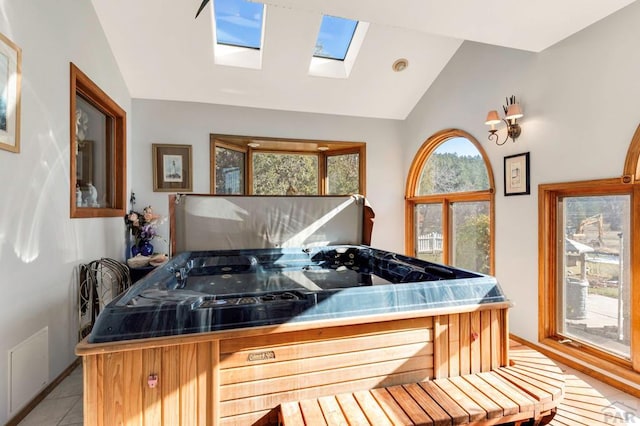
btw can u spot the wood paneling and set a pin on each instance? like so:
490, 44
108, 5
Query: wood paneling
239, 378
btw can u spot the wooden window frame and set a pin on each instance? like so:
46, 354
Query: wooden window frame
287, 146
548, 334
116, 155
412, 200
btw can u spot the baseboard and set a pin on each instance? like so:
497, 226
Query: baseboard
20, 415
605, 378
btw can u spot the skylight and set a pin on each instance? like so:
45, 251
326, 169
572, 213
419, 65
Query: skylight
239, 23
334, 37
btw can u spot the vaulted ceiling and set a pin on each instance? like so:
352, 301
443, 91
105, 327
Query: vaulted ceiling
165, 53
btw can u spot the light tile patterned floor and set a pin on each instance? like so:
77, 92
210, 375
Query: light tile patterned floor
587, 402
63, 406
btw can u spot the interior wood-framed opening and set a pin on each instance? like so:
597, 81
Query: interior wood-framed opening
551, 278
323, 150
114, 157
446, 200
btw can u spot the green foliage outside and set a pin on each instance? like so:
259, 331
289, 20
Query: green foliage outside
446, 173
343, 174
285, 174
473, 244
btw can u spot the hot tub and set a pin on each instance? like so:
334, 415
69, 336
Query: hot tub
274, 299
205, 291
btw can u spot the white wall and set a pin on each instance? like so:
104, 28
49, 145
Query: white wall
170, 122
40, 246
581, 100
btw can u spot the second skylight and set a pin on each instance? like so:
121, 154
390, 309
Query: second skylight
334, 37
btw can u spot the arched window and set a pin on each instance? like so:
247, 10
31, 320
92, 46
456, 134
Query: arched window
449, 203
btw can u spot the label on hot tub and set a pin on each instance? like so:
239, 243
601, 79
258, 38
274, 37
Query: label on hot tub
261, 356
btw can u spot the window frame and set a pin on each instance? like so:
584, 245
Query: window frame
548, 334
116, 156
446, 200
321, 148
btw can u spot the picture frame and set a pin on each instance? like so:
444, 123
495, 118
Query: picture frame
516, 174
10, 94
172, 168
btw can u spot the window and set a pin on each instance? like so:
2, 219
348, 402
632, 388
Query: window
269, 166
239, 23
285, 173
238, 33
337, 46
229, 170
587, 286
450, 203
334, 37
588, 283
343, 173
98, 150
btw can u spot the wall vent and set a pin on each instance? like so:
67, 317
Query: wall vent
28, 369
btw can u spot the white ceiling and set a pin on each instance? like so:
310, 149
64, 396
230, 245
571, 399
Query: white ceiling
164, 53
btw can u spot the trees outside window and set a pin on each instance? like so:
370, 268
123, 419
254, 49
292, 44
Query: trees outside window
450, 203
270, 166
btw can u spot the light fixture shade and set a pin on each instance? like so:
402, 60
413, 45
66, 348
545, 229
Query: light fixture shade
514, 112
492, 118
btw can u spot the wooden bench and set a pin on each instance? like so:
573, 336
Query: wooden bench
528, 391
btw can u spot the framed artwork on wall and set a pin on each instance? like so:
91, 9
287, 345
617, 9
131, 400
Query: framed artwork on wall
516, 174
10, 83
172, 168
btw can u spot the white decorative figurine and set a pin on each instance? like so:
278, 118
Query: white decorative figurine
78, 196
93, 196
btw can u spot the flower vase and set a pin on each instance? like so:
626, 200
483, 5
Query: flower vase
135, 250
146, 249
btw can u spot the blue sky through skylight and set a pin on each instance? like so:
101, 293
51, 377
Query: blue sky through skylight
239, 22
334, 37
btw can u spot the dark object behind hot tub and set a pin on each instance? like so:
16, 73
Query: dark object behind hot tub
218, 290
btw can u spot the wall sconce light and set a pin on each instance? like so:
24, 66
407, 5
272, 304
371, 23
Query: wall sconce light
512, 112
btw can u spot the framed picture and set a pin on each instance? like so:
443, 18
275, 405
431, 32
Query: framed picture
172, 169
516, 174
10, 82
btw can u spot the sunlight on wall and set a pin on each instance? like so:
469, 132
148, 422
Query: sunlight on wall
301, 237
32, 210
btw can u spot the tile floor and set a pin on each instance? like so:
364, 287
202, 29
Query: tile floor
63, 406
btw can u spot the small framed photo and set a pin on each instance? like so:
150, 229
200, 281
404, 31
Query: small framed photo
10, 83
172, 168
516, 174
